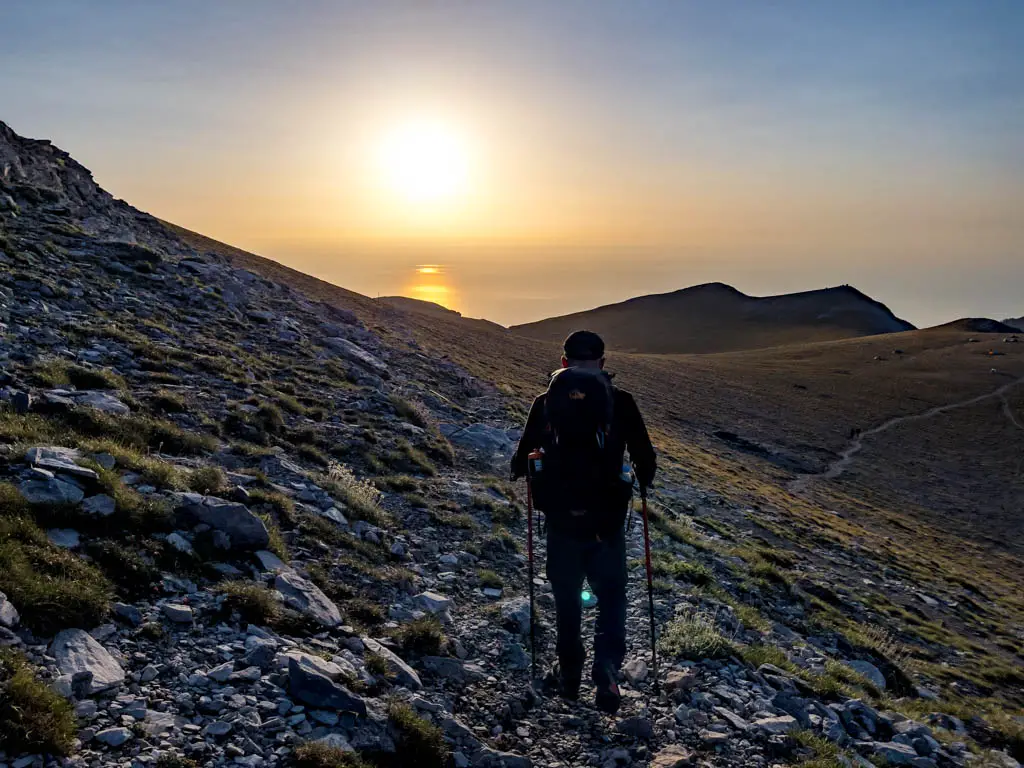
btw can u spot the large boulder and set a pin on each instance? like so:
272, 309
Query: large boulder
356, 354
76, 651
244, 528
51, 491
8, 613
315, 689
398, 670
59, 460
305, 597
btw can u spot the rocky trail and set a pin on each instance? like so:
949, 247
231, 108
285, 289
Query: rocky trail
242, 527
856, 445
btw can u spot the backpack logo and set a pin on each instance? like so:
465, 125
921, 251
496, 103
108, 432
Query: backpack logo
577, 395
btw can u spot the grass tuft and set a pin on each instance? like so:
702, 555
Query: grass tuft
422, 636
254, 602
316, 754
694, 636
419, 743
33, 718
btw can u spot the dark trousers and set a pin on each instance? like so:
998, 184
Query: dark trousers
603, 563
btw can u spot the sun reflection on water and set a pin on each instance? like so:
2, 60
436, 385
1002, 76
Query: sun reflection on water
432, 285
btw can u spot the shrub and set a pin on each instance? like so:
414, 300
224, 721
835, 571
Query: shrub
270, 418
169, 402
419, 743
423, 636
254, 602
313, 455
361, 499
207, 480
490, 579
376, 664
364, 611
276, 544
414, 413
51, 588
317, 754
33, 718
694, 636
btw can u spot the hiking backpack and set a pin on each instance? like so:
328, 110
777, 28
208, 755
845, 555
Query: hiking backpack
581, 467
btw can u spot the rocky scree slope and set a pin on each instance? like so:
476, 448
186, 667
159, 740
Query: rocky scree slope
238, 527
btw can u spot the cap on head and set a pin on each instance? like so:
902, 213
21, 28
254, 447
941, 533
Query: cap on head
583, 345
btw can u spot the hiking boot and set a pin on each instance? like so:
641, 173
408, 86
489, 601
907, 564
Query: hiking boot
607, 697
565, 684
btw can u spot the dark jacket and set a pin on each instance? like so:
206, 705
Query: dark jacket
628, 430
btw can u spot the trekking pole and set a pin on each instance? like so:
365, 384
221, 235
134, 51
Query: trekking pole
650, 589
529, 559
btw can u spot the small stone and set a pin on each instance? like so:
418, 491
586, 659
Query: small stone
179, 614
180, 543
636, 727
100, 505
65, 538
870, 671
128, 613
148, 673
782, 724
673, 756
218, 729
221, 673
114, 737
8, 614
432, 602
635, 671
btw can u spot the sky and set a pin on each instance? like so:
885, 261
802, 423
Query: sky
549, 157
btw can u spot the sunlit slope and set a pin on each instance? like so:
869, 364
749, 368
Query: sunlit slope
718, 318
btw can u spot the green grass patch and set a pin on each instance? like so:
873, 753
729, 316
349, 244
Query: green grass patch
419, 743
694, 636
254, 602
490, 579
60, 373
51, 588
316, 754
207, 480
33, 718
421, 636
677, 568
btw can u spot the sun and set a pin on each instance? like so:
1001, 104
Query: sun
425, 162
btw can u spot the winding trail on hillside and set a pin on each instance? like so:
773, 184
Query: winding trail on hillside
836, 468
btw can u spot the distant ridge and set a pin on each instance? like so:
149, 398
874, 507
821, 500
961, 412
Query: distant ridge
432, 309
1015, 322
976, 325
715, 317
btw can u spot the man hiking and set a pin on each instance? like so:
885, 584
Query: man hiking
583, 426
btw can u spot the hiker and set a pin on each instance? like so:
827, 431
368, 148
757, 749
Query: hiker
583, 424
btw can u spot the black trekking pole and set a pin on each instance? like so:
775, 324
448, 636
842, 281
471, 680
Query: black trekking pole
650, 589
529, 559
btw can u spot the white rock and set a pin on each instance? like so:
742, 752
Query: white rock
178, 613
115, 737
432, 602
76, 651
8, 613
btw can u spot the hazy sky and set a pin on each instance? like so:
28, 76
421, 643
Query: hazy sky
590, 151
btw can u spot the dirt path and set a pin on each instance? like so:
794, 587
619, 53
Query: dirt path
836, 468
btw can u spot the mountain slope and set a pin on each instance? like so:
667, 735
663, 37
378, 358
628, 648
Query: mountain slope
1015, 322
718, 318
243, 493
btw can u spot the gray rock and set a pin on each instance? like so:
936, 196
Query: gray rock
102, 401
114, 737
431, 602
218, 729
781, 724
51, 491
100, 505
179, 614
479, 437
260, 652
317, 690
271, 562
636, 727
398, 670
894, 753
515, 615
128, 613
65, 538
304, 596
453, 669
180, 543
246, 530
222, 672
634, 670
870, 671
60, 460
356, 354
8, 613
76, 651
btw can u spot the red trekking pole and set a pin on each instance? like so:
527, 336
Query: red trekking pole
650, 589
535, 456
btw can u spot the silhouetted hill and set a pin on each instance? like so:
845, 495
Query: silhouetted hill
1015, 322
976, 325
431, 309
718, 318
